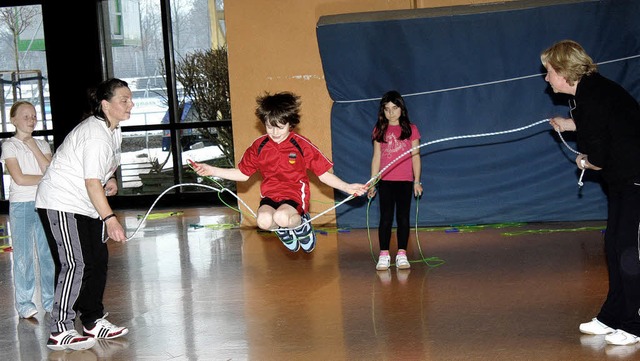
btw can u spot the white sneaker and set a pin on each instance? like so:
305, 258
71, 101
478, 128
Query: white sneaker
621, 338
105, 330
383, 263
402, 262
70, 340
595, 327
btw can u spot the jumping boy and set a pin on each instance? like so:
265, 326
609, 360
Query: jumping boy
283, 158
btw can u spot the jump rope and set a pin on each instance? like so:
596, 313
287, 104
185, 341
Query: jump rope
431, 261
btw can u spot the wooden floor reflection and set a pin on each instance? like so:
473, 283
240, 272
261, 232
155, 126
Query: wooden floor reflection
190, 288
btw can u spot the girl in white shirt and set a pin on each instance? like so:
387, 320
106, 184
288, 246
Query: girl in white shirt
26, 159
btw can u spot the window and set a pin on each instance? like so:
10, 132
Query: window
156, 145
23, 72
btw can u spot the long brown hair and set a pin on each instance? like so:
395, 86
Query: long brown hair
383, 123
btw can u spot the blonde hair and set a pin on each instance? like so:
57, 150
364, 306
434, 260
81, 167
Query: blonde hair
13, 112
569, 59
14, 108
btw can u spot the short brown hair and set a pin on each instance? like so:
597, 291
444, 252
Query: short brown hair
279, 108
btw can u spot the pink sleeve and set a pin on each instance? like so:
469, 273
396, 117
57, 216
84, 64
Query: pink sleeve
415, 133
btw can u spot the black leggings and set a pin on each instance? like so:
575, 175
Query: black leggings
621, 242
394, 196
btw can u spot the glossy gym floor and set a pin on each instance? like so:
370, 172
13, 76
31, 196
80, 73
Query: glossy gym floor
191, 286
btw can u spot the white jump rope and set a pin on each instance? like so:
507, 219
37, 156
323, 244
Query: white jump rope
583, 163
372, 181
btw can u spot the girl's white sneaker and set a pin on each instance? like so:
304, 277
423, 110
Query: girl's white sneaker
383, 262
621, 338
402, 262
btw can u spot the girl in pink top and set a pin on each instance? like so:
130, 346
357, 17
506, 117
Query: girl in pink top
392, 136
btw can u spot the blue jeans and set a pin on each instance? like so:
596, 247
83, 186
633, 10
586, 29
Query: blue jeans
29, 244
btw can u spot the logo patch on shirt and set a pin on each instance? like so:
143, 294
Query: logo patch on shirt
292, 158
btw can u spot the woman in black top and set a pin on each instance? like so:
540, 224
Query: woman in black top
606, 119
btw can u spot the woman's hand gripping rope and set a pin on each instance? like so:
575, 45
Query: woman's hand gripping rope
560, 125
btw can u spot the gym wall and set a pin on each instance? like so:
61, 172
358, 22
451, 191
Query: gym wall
474, 85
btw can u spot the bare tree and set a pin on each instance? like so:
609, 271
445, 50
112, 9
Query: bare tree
18, 19
204, 75
151, 32
180, 18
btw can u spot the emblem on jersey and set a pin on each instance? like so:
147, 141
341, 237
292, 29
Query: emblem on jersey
292, 158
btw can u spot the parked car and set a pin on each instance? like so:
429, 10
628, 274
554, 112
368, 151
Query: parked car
189, 138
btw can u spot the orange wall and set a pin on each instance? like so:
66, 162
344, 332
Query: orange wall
272, 47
